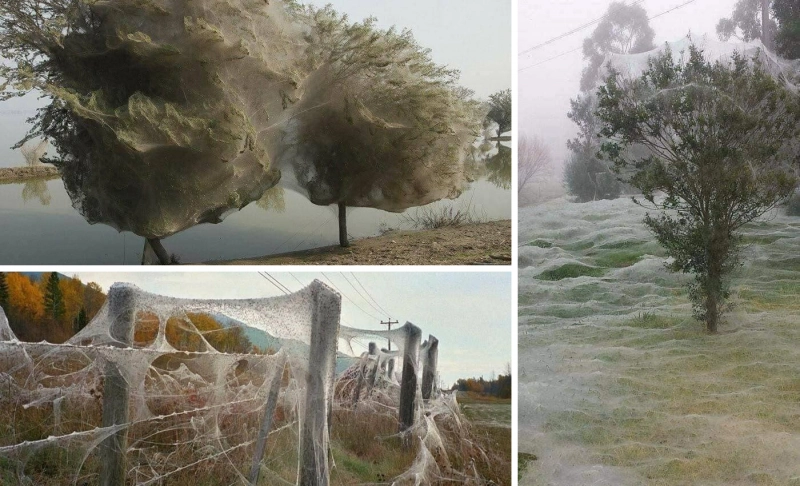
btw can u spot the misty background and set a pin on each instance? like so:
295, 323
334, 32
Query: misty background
549, 75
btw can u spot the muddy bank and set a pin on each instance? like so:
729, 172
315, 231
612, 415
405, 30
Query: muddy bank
17, 174
474, 244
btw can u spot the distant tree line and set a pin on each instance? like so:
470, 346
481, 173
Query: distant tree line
499, 387
51, 308
54, 308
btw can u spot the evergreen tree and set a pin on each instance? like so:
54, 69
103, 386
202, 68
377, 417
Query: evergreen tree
80, 321
53, 300
3, 292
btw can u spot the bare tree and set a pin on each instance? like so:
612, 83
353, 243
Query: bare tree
534, 161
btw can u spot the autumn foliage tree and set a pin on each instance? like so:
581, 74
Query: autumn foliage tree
30, 309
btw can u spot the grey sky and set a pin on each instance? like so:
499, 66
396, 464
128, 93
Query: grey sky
469, 312
473, 36
545, 90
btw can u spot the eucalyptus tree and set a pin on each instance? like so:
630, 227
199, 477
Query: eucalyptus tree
380, 124
625, 29
721, 138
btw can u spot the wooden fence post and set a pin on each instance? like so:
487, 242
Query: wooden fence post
408, 382
373, 350
266, 421
314, 431
429, 367
113, 449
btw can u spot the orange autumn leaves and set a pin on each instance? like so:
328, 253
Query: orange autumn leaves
192, 334
26, 307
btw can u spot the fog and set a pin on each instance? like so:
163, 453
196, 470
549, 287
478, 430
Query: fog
547, 82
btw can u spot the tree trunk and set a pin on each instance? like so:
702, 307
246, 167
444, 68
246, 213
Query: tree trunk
766, 35
159, 250
343, 226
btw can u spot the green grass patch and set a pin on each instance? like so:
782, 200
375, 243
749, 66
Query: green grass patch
571, 270
619, 259
578, 246
541, 244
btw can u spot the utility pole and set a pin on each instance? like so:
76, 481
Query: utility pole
389, 324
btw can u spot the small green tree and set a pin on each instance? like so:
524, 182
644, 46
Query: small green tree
587, 178
718, 139
500, 110
53, 300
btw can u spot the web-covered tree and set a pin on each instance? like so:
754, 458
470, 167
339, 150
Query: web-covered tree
160, 110
625, 29
720, 138
500, 110
586, 177
380, 124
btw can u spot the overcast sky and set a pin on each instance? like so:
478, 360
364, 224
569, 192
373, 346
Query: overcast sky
473, 36
469, 312
545, 90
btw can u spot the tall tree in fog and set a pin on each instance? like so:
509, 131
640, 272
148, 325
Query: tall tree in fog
750, 20
721, 139
534, 161
787, 37
586, 177
775, 22
625, 29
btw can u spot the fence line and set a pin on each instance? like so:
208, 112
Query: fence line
119, 318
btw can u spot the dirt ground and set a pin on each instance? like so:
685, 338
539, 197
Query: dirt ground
15, 174
475, 244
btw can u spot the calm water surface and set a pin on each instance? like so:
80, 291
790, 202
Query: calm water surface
38, 226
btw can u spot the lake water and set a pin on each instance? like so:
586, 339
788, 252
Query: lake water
38, 226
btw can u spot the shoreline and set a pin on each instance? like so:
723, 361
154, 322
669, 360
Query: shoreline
21, 174
472, 244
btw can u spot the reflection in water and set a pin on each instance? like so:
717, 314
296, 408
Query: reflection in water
273, 200
36, 188
57, 234
498, 167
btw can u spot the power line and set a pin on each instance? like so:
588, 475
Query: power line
579, 48
360, 294
576, 29
348, 298
276, 283
368, 294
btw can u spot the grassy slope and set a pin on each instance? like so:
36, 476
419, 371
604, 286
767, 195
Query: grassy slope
650, 398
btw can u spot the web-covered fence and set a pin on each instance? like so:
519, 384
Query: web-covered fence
141, 396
